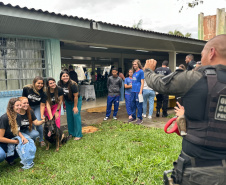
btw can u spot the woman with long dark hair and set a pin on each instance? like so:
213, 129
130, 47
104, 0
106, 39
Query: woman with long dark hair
37, 100
54, 99
73, 105
28, 118
10, 123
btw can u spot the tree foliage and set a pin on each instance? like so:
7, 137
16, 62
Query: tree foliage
178, 33
190, 3
138, 25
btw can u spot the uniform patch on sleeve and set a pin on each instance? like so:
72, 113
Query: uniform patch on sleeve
220, 113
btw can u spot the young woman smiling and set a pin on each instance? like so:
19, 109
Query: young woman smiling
54, 99
37, 100
10, 127
73, 105
27, 118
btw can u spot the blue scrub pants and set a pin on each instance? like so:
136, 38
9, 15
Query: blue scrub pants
128, 104
39, 128
135, 105
110, 100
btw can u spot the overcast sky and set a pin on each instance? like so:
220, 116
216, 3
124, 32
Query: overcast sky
157, 15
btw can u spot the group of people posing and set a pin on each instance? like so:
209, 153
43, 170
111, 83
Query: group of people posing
137, 93
37, 102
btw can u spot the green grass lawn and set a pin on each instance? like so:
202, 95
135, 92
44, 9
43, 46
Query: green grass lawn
117, 154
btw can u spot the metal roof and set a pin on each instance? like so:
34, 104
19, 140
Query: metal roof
38, 23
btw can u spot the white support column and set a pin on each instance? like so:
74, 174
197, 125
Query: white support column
172, 60
53, 57
121, 63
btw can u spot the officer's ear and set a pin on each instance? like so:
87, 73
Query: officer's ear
212, 53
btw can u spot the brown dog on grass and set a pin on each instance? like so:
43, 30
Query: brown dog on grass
53, 134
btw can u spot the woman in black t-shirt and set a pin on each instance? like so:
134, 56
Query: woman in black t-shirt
10, 127
54, 99
73, 105
27, 118
37, 100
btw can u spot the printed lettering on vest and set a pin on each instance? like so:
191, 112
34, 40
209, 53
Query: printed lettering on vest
220, 113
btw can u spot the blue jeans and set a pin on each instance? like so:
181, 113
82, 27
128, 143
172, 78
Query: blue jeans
74, 121
4, 147
122, 92
110, 100
2, 155
148, 94
135, 105
33, 133
39, 128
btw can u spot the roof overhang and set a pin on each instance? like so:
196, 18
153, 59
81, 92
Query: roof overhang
36, 23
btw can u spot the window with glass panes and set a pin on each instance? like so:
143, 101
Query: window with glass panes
21, 60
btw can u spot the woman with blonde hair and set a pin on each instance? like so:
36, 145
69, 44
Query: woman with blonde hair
37, 101
136, 93
10, 123
28, 118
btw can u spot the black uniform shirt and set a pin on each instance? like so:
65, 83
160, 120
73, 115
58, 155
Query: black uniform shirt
4, 124
25, 121
74, 89
191, 65
33, 98
60, 93
163, 70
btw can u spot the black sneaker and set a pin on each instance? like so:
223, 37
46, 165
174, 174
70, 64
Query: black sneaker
11, 163
157, 113
139, 121
164, 114
131, 120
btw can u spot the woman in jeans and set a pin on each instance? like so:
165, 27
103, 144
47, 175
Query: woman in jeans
37, 100
73, 104
27, 119
148, 93
9, 128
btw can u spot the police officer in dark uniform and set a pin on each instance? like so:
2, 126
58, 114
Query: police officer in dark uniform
162, 99
203, 156
190, 61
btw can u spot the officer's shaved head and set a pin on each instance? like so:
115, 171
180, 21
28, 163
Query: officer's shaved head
219, 43
214, 52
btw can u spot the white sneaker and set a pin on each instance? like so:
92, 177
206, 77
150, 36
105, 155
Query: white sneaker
114, 117
149, 117
144, 115
106, 118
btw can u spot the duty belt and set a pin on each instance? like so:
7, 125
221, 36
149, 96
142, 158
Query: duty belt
197, 162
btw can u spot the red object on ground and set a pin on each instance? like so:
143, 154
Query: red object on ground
172, 130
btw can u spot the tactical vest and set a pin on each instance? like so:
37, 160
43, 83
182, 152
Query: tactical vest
211, 132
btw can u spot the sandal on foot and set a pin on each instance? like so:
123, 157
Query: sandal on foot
77, 138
